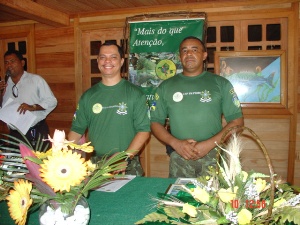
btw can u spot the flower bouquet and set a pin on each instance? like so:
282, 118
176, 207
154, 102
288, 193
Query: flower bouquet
60, 176
229, 195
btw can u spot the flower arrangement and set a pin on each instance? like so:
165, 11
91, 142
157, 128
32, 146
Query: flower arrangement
29, 178
229, 195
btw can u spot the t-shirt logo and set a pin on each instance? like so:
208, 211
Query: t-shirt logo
205, 96
97, 108
177, 97
235, 99
122, 109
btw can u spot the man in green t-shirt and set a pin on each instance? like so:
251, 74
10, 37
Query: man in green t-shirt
195, 102
114, 111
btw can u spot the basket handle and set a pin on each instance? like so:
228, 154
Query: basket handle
265, 152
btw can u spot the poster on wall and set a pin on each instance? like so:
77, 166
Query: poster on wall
153, 48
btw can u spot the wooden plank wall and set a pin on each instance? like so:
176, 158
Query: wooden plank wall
55, 61
56, 51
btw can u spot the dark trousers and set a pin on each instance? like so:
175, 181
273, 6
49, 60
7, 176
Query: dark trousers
38, 132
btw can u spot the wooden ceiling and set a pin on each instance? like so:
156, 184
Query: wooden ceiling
59, 12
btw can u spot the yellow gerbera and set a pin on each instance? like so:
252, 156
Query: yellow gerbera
19, 201
63, 170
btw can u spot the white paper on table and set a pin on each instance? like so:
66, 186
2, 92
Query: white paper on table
116, 184
9, 115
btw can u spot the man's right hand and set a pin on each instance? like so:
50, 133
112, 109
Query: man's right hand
186, 148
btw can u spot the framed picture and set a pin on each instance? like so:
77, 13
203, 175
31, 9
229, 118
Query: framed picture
258, 77
174, 189
184, 181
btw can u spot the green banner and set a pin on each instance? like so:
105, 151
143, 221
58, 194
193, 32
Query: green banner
154, 51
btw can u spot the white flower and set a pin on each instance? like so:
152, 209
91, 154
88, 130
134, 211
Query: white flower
58, 142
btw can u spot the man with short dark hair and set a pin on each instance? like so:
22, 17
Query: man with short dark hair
114, 112
194, 101
33, 94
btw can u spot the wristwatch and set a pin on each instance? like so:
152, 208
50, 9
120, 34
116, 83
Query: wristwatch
34, 106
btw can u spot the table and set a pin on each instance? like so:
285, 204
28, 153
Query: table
124, 207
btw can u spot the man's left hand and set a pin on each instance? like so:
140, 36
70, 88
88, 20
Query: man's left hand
24, 107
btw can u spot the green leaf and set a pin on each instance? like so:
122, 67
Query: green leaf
214, 214
174, 212
153, 217
290, 214
222, 220
34, 159
258, 175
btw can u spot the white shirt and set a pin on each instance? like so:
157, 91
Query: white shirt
32, 89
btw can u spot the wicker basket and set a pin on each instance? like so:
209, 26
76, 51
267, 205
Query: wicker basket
239, 129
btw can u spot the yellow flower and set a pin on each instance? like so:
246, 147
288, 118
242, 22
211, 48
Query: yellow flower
84, 147
279, 202
244, 216
226, 195
90, 166
200, 195
189, 209
245, 176
19, 201
260, 185
63, 170
43, 155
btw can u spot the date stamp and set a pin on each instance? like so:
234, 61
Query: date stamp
249, 204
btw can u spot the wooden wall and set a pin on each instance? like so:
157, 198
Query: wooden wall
55, 61
58, 59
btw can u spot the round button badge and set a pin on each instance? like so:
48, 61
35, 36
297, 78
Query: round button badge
97, 108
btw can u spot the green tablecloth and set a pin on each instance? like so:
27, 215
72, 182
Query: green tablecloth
124, 207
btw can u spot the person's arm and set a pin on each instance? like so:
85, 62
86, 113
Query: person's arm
47, 100
204, 147
185, 148
137, 143
73, 136
24, 107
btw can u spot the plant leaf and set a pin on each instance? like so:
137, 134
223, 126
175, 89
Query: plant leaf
153, 217
290, 214
173, 212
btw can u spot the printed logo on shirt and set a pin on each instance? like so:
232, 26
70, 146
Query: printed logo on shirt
205, 96
74, 116
97, 108
77, 108
177, 97
122, 109
235, 99
156, 96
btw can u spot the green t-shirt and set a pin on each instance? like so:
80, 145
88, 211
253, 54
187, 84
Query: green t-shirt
195, 105
113, 115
